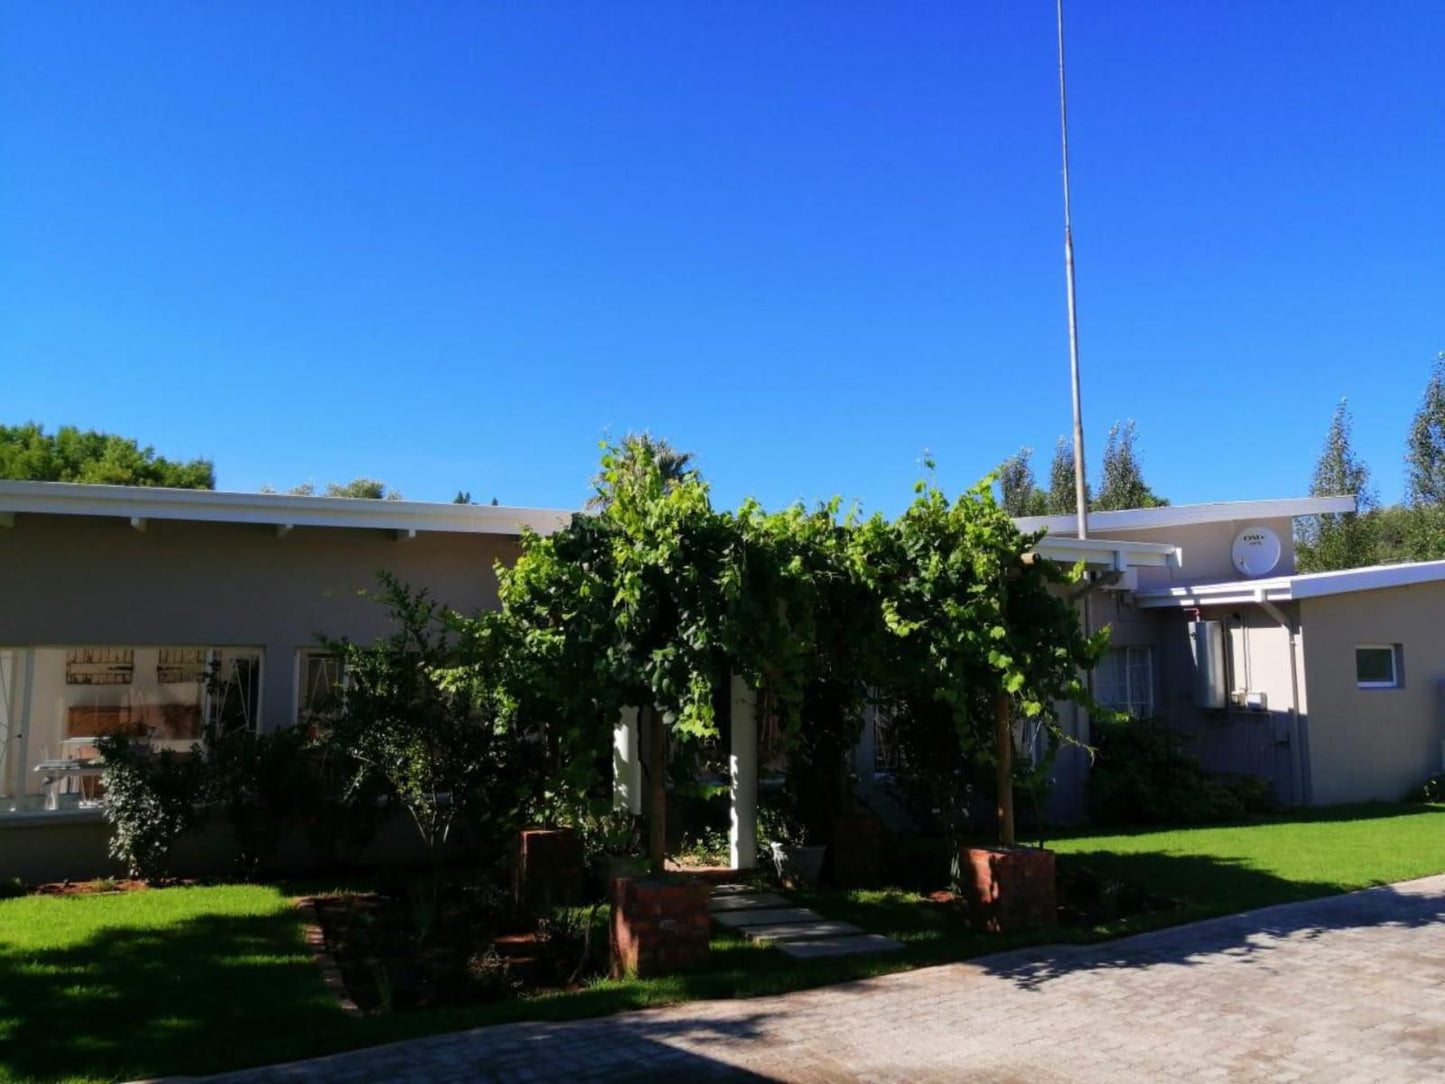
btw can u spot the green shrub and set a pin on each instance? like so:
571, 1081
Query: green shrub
151, 800
1432, 790
1144, 774
266, 782
11, 887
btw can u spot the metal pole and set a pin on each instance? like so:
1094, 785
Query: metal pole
1081, 498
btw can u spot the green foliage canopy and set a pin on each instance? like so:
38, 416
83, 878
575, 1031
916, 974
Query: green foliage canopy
69, 454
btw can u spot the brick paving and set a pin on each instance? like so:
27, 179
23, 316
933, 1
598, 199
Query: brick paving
1349, 988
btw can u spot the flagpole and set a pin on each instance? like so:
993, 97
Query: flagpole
1081, 498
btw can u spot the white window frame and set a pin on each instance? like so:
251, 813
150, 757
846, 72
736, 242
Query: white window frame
1124, 703
1394, 682
303, 655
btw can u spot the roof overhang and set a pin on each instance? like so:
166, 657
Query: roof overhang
1184, 515
1291, 588
283, 511
1107, 553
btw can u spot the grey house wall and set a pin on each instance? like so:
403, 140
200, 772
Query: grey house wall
77, 580
1374, 744
1259, 743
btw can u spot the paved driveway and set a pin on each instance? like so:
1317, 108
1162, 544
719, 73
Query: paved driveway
1345, 988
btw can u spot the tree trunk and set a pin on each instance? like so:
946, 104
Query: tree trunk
1004, 736
656, 790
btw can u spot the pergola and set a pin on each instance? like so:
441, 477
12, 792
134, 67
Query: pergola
1114, 562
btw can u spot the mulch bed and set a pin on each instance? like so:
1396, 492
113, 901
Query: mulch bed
98, 888
397, 953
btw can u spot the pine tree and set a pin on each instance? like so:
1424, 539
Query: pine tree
1020, 494
1060, 497
1124, 485
1424, 512
1338, 539
1425, 447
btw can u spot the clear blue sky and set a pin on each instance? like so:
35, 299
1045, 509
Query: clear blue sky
453, 245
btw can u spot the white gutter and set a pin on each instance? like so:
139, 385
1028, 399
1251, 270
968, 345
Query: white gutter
283, 511
1289, 588
1184, 515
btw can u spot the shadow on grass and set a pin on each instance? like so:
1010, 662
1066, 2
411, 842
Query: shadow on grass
215, 993
1251, 911
133, 1002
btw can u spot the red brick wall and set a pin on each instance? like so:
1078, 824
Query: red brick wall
658, 926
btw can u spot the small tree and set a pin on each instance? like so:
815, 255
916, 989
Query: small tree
1124, 485
151, 800
425, 723
1338, 539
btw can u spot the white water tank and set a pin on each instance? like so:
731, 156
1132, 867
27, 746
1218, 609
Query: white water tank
1206, 641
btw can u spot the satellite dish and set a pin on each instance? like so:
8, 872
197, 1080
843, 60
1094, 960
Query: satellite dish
1256, 551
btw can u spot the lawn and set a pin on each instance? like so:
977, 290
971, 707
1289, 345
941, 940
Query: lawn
202, 979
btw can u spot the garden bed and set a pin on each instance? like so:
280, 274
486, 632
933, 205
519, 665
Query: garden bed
399, 952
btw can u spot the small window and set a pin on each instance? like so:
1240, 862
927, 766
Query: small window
1124, 681
320, 678
1377, 666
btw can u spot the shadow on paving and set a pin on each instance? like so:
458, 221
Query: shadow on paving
610, 1049
1309, 909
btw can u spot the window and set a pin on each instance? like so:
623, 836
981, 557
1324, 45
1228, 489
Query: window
1124, 681
320, 676
1377, 666
55, 702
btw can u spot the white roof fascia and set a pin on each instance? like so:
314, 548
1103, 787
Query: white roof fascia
281, 510
1183, 515
1288, 588
1118, 556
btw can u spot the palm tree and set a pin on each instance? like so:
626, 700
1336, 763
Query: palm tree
674, 465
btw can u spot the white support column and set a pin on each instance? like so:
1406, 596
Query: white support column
626, 764
743, 770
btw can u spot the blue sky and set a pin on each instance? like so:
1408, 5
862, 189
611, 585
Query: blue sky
454, 245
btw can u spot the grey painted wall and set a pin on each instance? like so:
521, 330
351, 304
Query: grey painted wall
1374, 743
75, 580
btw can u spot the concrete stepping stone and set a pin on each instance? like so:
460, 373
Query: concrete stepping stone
819, 947
764, 916
799, 931
738, 901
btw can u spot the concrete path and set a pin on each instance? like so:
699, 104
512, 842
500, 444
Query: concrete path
1350, 988
798, 931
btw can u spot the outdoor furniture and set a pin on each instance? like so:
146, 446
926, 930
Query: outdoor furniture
70, 779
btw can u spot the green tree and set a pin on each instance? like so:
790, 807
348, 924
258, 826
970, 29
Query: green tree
1338, 539
1422, 525
363, 488
1060, 497
981, 639
1425, 446
641, 454
1018, 491
69, 454
1123, 485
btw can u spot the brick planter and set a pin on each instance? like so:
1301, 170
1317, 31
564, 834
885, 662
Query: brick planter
857, 851
1009, 888
548, 867
659, 926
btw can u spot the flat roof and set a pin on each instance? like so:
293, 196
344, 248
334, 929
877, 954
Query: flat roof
1183, 515
1290, 588
281, 510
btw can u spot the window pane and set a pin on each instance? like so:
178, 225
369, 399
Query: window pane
1375, 665
161, 697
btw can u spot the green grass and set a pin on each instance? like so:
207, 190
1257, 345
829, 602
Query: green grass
203, 979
